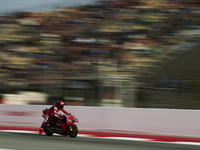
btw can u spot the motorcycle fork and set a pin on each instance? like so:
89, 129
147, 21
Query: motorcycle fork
70, 128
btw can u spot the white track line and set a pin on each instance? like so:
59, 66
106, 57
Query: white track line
130, 139
187, 143
19, 131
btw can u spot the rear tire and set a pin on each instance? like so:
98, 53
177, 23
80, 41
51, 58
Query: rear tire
74, 131
47, 130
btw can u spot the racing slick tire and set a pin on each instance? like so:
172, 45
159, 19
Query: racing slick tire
48, 131
74, 131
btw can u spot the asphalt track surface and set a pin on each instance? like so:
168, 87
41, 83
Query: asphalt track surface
27, 141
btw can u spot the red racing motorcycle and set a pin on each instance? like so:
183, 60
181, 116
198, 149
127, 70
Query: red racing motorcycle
63, 125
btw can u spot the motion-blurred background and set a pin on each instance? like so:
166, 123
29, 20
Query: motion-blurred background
122, 53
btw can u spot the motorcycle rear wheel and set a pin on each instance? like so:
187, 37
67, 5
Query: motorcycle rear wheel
48, 131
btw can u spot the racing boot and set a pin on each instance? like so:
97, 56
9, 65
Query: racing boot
42, 127
40, 131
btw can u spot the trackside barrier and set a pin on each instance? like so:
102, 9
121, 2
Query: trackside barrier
155, 121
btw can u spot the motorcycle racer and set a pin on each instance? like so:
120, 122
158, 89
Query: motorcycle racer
52, 113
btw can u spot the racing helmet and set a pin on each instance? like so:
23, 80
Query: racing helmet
60, 104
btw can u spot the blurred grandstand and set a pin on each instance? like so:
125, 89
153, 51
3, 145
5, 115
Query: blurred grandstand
130, 53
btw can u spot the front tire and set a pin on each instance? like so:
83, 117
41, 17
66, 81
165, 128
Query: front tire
74, 131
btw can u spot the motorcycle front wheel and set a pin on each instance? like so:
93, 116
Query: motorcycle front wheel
74, 131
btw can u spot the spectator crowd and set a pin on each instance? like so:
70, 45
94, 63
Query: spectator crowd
123, 37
